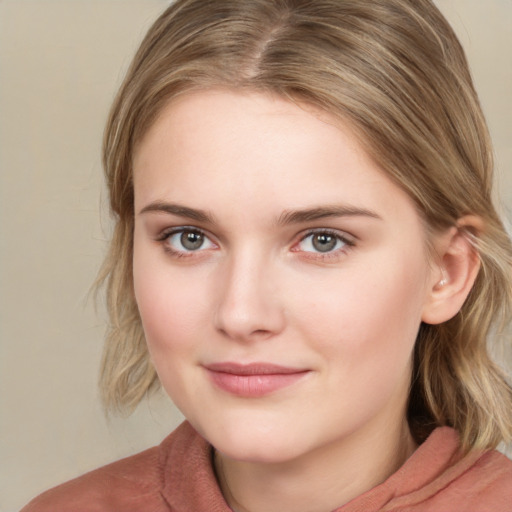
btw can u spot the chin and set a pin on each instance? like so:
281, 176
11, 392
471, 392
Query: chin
255, 442
263, 452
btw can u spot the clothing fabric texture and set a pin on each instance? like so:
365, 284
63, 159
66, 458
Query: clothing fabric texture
178, 476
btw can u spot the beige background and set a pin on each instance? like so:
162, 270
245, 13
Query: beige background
60, 63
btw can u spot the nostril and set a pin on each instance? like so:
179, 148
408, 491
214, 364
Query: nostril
256, 322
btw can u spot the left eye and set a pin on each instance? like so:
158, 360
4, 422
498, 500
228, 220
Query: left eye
188, 240
322, 242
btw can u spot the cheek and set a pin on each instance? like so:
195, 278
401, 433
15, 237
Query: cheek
170, 315
170, 304
368, 314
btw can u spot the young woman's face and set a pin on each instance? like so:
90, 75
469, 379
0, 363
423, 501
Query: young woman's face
281, 277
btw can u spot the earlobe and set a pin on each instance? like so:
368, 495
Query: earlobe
454, 272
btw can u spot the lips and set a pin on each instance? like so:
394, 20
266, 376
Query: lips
253, 380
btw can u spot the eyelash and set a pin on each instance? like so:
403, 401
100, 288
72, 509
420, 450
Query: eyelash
166, 234
347, 241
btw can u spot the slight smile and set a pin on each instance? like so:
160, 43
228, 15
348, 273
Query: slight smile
253, 380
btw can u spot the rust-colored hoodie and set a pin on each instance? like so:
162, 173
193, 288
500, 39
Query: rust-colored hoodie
177, 476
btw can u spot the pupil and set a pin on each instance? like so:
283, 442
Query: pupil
191, 240
324, 242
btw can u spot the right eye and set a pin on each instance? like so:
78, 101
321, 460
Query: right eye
182, 241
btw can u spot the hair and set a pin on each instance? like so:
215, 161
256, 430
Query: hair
395, 71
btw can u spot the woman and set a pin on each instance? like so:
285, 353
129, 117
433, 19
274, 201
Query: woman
307, 258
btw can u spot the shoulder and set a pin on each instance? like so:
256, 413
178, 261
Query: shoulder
132, 484
479, 480
438, 477
487, 482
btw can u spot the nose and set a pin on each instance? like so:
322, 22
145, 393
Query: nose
248, 306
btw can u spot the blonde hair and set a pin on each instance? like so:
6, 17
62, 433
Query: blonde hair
396, 72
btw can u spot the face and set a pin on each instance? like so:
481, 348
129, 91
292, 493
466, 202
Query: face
281, 276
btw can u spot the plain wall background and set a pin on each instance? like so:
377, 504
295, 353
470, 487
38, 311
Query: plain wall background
60, 64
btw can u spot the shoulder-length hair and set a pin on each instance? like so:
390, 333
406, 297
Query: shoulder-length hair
395, 71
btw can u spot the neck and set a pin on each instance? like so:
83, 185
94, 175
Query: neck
318, 481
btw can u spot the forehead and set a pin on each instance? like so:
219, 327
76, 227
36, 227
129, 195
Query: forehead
226, 149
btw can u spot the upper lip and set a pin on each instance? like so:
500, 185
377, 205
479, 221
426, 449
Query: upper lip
252, 368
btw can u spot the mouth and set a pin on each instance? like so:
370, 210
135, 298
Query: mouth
253, 380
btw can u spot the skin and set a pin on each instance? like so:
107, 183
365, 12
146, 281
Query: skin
259, 290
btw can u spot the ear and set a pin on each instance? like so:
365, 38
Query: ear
454, 272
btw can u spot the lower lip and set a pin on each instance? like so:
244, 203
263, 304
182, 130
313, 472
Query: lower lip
254, 386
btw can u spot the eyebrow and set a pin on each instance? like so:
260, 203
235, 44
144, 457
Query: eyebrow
322, 212
179, 210
287, 217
